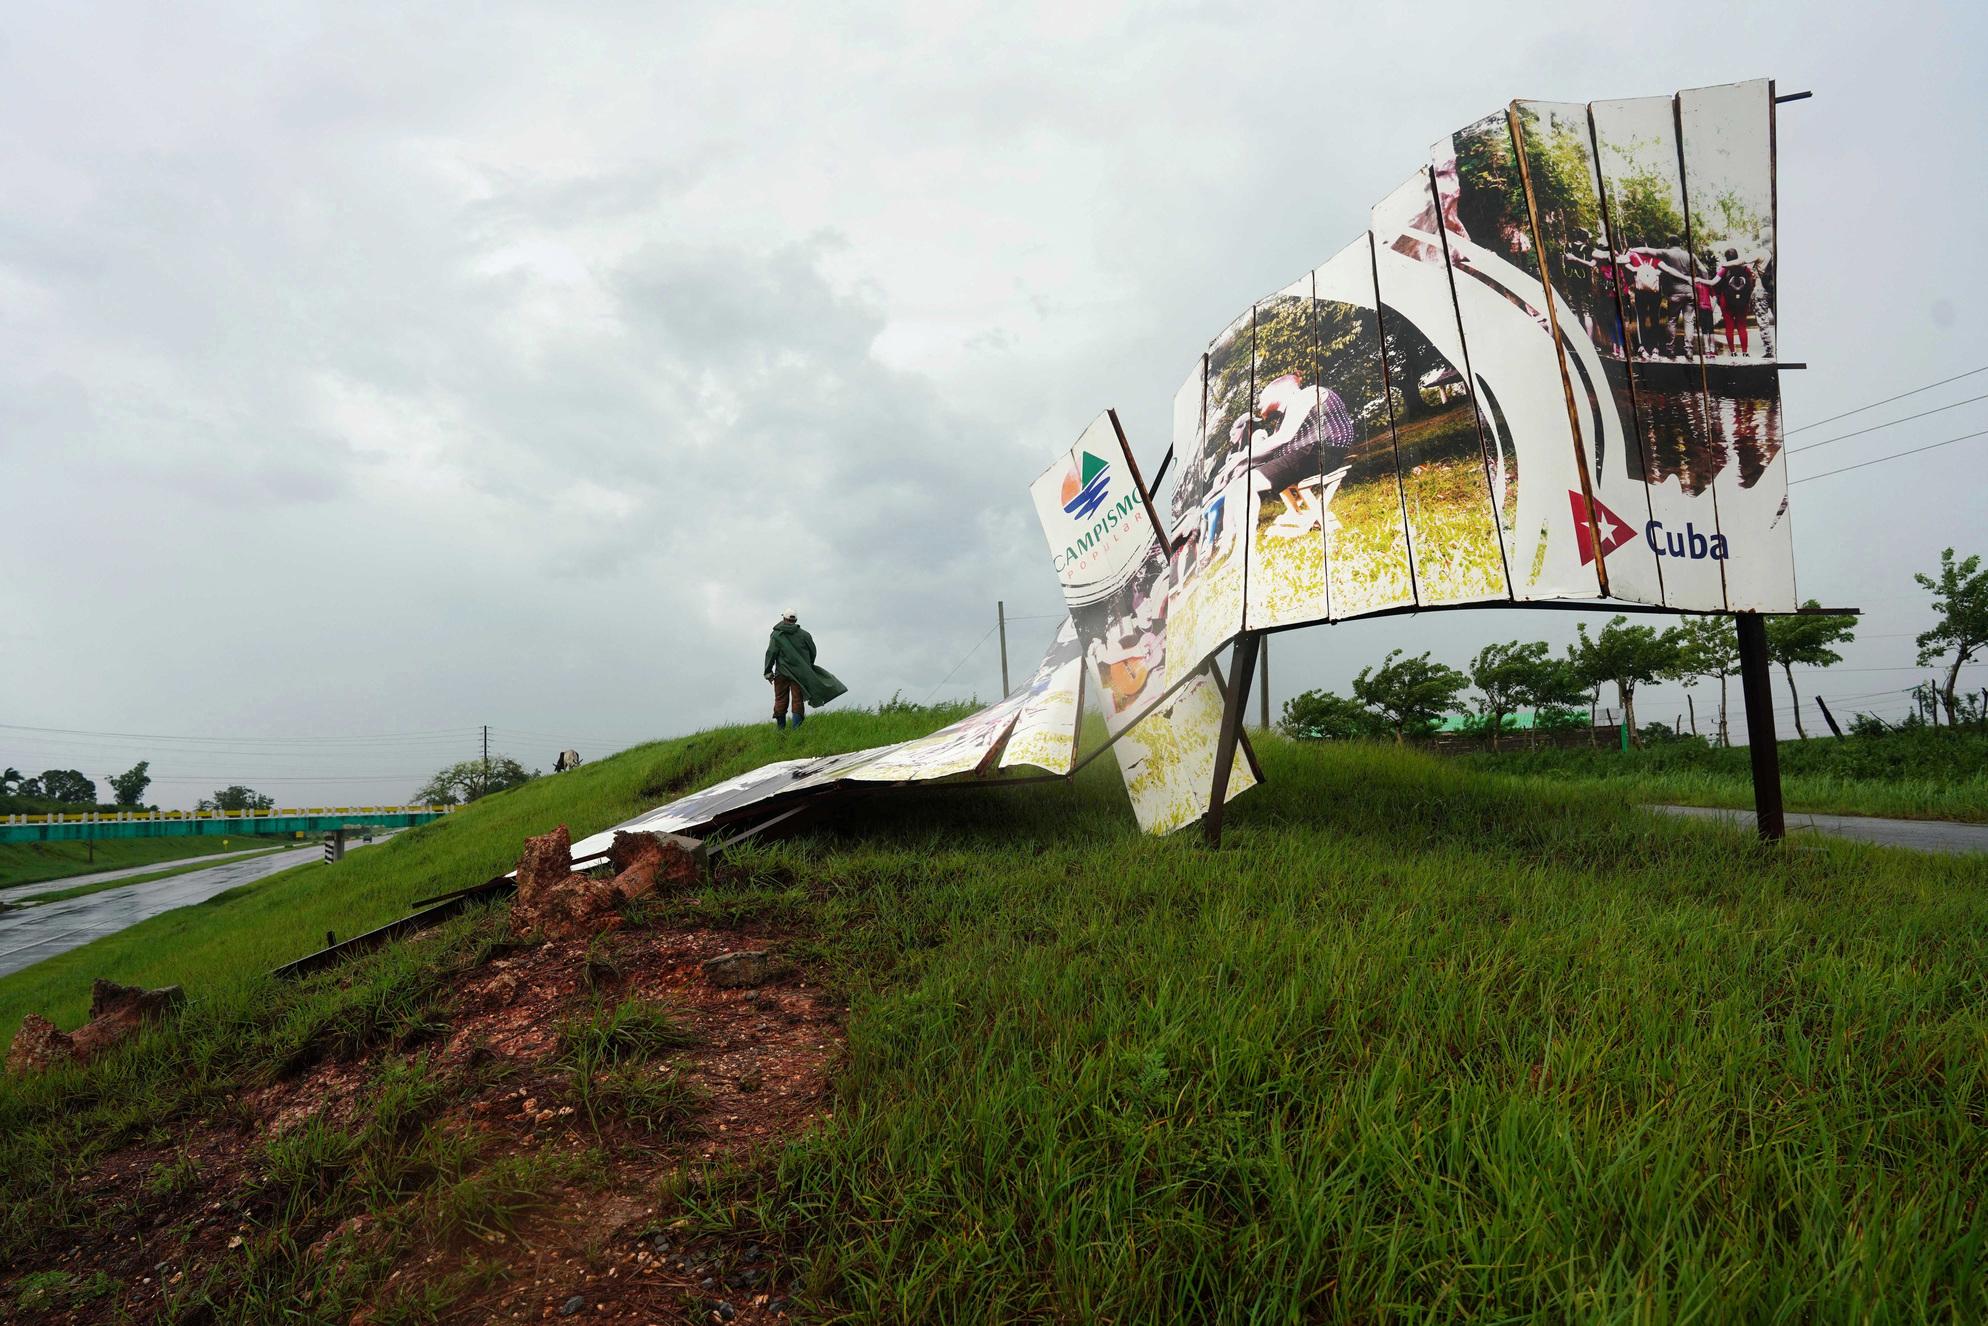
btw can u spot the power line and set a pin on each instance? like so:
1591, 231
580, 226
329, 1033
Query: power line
388, 737
957, 666
1875, 427
1887, 400
1896, 455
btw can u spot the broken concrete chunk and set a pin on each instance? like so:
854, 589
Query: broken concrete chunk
117, 1013
646, 863
37, 1045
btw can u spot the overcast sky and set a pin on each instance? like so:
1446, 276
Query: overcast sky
369, 373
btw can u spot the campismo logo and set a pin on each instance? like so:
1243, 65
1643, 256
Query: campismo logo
1084, 486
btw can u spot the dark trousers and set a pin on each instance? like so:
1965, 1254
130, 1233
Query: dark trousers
785, 691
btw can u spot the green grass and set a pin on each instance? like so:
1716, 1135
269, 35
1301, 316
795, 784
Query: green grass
33, 863
1422, 1043
148, 877
1919, 774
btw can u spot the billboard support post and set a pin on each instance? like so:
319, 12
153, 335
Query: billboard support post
1234, 705
1263, 686
1757, 690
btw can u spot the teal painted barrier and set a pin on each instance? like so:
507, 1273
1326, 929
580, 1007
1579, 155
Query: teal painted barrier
171, 824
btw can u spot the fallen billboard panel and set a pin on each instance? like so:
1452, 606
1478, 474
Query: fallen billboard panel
1168, 759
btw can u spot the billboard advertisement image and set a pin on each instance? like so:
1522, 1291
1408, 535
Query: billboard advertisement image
1366, 533
1636, 154
1610, 518
1453, 531
1728, 138
1049, 705
1168, 759
1299, 439
1210, 508
1533, 456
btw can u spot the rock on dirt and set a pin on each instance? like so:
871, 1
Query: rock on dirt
745, 967
38, 1045
117, 1012
560, 903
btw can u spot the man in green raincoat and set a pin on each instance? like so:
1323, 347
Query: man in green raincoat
797, 681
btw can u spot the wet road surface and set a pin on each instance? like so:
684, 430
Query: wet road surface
1920, 835
29, 934
16, 892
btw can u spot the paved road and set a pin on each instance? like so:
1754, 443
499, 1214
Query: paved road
29, 934
1919, 835
19, 891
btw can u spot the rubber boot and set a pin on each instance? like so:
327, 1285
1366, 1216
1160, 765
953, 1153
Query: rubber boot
799, 719
780, 721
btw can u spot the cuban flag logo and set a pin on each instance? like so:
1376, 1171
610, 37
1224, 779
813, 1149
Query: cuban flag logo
1614, 530
1084, 486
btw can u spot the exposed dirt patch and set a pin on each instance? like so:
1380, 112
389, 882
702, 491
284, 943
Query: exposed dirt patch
758, 1066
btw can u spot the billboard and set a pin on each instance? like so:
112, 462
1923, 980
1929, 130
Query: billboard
1545, 371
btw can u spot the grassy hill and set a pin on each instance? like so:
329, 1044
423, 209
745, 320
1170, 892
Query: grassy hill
1421, 1042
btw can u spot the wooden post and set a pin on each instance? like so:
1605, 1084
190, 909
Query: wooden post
1828, 717
1001, 622
1263, 686
1757, 690
1233, 709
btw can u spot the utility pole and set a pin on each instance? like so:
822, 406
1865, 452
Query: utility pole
485, 788
1001, 624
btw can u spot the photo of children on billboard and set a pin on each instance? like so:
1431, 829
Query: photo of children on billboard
1301, 436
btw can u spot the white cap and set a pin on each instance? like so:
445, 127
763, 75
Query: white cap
788, 617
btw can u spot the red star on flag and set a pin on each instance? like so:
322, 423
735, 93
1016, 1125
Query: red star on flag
1614, 530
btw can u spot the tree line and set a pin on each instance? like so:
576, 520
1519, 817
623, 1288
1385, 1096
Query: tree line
1409, 695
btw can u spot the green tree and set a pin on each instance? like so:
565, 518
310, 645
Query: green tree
1411, 693
66, 786
1626, 655
1322, 715
129, 786
1960, 597
1707, 647
10, 780
236, 798
1515, 676
467, 780
1643, 211
1805, 637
